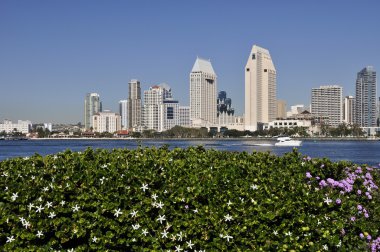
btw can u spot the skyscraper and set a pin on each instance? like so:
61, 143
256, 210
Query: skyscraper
260, 89
134, 104
365, 104
92, 105
327, 101
203, 88
348, 110
123, 111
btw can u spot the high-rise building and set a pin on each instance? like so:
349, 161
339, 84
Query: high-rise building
123, 111
327, 101
106, 122
203, 92
92, 105
161, 111
281, 109
348, 109
365, 100
184, 116
134, 104
260, 89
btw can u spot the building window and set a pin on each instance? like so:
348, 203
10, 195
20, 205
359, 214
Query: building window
265, 70
169, 113
253, 56
247, 69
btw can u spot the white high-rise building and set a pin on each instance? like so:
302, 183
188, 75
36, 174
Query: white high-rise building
134, 106
260, 89
328, 101
203, 92
123, 111
184, 116
106, 122
92, 105
349, 109
161, 111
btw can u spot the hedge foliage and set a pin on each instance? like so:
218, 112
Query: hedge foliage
156, 199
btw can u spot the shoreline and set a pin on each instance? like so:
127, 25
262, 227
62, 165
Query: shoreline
253, 139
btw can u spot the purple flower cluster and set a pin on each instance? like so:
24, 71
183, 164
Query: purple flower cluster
375, 245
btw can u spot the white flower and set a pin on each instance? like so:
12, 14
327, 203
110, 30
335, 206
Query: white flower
164, 234
228, 217
135, 227
195, 211
178, 249
118, 212
229, 203
5, 174
144, 187
159, 205
21, 219
254, 187
10, 239
26, 224
134, 213
144, 232
339, 244
39, 209
154, 196
40, 199
228, 237
76, 208
33, 177
30, 206
275, 232
161, 218
190, 245
45, 189
52, 215
14, 196
327, 200
94, 239
173, 237
62, 203
179, 236
288, 233
39, 234
49, 204
325, 247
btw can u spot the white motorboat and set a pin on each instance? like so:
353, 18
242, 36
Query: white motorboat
287, 141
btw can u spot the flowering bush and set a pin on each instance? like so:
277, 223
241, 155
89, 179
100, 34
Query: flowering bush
155, 199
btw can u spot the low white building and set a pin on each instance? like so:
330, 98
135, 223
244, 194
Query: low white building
287, 124
21, 126
106, 121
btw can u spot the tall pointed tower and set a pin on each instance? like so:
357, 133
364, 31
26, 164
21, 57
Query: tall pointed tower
260, 89
203, 92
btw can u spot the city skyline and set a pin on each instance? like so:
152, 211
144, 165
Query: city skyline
52, 53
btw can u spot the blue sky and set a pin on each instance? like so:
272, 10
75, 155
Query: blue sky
54, 52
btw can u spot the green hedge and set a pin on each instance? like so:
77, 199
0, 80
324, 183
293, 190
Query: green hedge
156, 199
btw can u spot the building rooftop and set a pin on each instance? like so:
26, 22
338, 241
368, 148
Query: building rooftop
203, 65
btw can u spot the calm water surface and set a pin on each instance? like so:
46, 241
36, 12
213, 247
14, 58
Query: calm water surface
360, 152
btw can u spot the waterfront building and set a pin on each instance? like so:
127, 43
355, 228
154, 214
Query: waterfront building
134, 104
225, 113
365, 103
281, 109
203, 88
106, 122
161, 111
327, 101
184, 116
21, 126
348, 109
92, 105
123, 111
260, 89
288, 123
